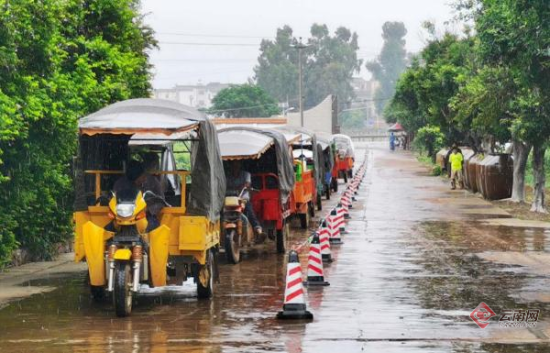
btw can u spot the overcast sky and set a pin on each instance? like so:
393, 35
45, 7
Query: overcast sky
236, 27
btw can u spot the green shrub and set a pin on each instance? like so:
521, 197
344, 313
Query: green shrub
429, 139
61, 60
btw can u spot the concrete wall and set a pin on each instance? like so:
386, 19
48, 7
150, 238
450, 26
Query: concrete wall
319, 118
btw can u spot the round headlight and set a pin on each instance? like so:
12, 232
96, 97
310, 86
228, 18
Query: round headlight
125, 210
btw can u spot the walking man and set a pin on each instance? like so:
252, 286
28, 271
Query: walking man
455, 160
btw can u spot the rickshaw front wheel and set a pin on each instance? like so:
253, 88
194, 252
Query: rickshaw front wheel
232, 246
122, 293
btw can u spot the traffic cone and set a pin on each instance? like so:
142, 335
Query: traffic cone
341, 218
334, 228
315, 273
324, 235
294, 306
342, 211
346, 201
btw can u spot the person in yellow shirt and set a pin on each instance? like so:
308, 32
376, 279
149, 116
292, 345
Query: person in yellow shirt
455, 160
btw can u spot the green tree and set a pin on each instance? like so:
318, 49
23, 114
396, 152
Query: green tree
239, 101
391, 62
425, 92
61, 59
328, 66
516, 35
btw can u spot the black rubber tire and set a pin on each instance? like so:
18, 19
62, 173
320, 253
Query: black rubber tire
206, 292
304, 219
98, 293
232, 248
345, 177
282, 238
319, 202
334, 184
350, 173
327, 193
122, 293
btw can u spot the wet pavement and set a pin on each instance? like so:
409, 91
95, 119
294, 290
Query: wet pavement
417, 260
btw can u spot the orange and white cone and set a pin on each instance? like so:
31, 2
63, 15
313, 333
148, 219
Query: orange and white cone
346, 200
315, 273
340, 219
324, 235
334, 227
294, 306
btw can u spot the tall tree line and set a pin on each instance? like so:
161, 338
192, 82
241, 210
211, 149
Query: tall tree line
491, 86
59, 60
329, 63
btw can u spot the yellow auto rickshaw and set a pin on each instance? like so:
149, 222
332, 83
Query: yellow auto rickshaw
124, 244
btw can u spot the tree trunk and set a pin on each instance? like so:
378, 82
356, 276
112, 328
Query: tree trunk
521, 153
539, 178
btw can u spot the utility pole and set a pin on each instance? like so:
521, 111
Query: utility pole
300, 46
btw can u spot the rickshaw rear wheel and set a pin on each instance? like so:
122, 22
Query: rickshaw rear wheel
328, 192
122, 293
334, 183
319, 202
232, 246
98, 293
282, 238
311, 209
205, 277
345, 176
304, 219
350, 173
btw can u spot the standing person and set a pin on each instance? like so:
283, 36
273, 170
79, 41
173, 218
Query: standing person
392, 141
456, 159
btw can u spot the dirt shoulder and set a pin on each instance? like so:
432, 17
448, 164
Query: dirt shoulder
15, 281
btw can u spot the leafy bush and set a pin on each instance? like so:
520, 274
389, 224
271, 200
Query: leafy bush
429, 139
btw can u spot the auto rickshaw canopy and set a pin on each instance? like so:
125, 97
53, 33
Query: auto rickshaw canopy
343, 142
231, 136
243, 144
308, 139
106, 134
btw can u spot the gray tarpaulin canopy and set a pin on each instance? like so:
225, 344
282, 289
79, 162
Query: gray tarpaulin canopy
307, 138
149, 119
343, 142
243, 144
284, 161
325, 141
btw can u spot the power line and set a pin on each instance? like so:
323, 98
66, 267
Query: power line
213, 44
212, 35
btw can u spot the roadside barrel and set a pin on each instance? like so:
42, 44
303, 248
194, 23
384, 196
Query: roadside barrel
498, 176
294, 306
472, 171
468, 154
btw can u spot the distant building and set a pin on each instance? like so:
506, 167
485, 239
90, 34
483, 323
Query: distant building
364, 89
197, 96
364, 98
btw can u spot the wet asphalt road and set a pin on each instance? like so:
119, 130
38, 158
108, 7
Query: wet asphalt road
417, 260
